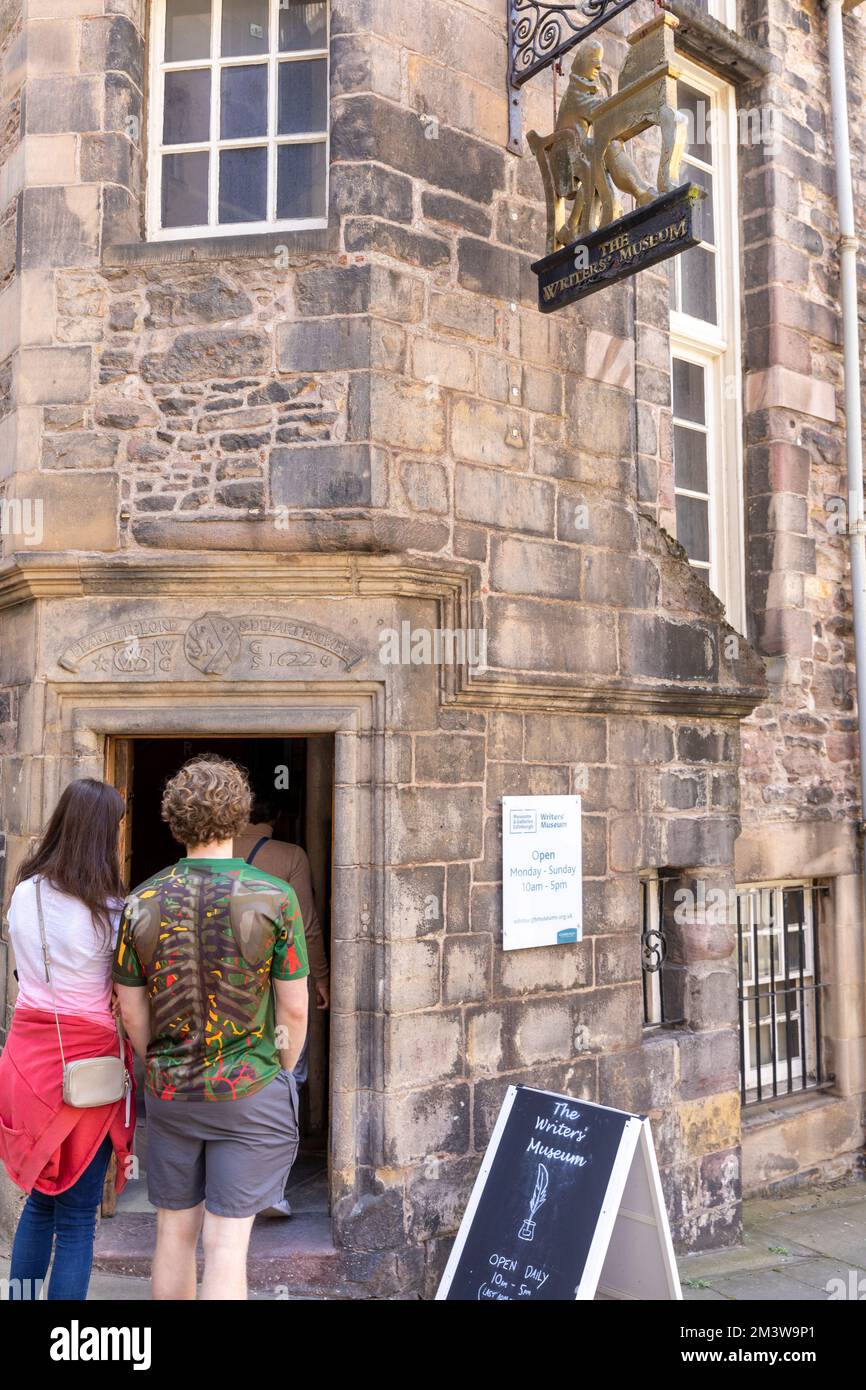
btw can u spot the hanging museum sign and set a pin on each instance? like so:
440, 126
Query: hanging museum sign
585, 164
542, 884
640, 239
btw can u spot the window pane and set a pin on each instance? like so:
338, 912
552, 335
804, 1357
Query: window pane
245, 28
187, 107
693, 530
301, 177
303, 96
187, 30
690, 459
243, 185
696, 108
302, 25
704, 220
688, 386
670, 266
698, 268
184, 189
244, 106
794, 906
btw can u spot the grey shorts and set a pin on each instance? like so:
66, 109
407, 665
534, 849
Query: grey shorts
233, 1155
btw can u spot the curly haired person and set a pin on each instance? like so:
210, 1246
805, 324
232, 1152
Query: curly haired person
210, 968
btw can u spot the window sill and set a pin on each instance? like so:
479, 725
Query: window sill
771, 1109
258, 246
709, 42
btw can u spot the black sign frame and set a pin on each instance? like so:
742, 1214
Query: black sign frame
568, 1194
642, 238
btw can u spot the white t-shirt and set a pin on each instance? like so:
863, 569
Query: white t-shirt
80, 955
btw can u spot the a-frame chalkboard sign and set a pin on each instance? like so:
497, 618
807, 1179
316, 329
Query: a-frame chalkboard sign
567, 1205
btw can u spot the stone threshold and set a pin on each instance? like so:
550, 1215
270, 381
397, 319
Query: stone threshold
288, 1258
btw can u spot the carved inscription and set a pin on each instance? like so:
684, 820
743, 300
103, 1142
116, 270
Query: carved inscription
214, 644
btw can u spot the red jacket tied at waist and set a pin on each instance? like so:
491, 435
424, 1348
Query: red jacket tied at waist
45, 1143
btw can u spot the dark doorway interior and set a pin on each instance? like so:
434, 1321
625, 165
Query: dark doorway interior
296, 774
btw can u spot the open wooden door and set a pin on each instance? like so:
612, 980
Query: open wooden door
118, 773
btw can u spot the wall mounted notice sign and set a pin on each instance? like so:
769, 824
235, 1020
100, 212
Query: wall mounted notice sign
542, 887
567, 1205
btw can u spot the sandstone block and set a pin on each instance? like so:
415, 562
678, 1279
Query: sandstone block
488, 496
436, 823
423, 1048
526, 634
327, 475
207, 354
484, 433
544, 569
324, 345
406, 415
466, 964
443, 364
422, 1123
53, 375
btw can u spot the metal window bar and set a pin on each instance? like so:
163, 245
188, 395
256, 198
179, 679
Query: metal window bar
816, 974
743, 1019
755, 976
773, 1016
804, 1070
793, 981
785, 949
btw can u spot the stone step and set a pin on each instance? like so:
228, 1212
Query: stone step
288, 1258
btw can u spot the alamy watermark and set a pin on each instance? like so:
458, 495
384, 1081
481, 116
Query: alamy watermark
428, 646
22, 518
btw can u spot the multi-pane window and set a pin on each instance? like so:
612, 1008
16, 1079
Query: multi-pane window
705, 371
239, 117
780, 990
725, 11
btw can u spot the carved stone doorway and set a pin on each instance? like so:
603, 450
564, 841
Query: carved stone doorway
98, 730
296, 775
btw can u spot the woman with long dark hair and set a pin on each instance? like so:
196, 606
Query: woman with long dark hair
63, 921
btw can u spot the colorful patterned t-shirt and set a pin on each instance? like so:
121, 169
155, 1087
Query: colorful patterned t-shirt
206, 937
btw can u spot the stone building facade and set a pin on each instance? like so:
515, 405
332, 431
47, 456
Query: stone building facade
255, 454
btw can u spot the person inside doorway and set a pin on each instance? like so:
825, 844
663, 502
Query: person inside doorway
200, 945
256, 844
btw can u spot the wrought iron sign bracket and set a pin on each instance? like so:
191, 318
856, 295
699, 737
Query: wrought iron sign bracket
539, 34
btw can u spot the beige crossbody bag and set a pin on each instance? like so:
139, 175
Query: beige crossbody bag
92, 1080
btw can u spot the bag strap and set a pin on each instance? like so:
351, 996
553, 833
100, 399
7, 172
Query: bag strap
256, 847
46, 957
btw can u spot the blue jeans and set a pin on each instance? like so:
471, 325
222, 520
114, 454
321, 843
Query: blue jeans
69, 1220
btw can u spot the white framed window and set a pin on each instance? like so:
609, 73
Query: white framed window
725, 11
705, 348
238, 117
780, 1013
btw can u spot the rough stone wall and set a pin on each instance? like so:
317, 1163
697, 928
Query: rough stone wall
396, 389
467, 1018
800, 747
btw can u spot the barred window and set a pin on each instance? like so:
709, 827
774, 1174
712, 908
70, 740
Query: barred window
239, 117
780, 990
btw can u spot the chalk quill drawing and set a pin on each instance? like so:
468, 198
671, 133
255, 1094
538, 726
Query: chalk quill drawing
539, 1197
